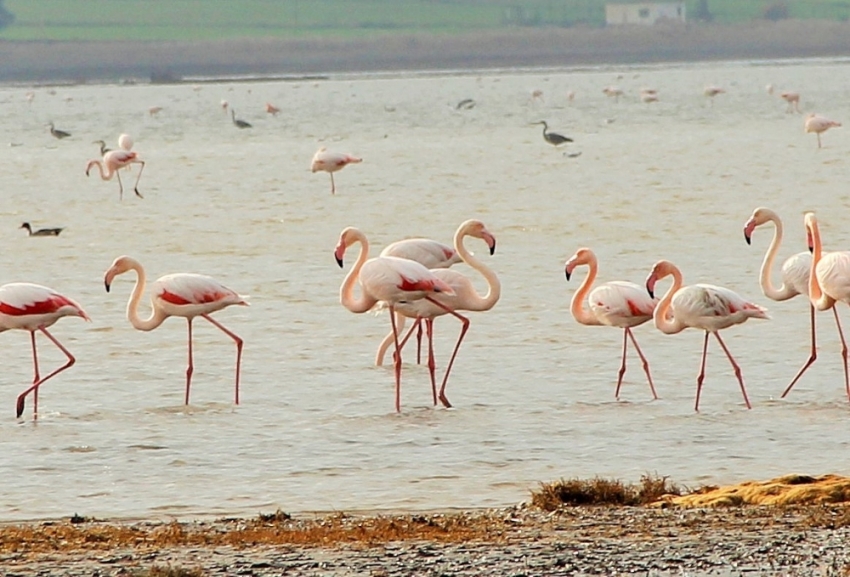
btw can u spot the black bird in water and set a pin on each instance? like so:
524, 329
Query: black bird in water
60, 134
238, 122
552, 137
41, 231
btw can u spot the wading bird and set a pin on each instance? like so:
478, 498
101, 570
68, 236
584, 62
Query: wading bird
237, 122
272, 109
701, 306
552, 138
617, 304
793, 100
331, 162
112, 161
60, 134
385, 279
817, 124
179, 295
32, 308
41, 231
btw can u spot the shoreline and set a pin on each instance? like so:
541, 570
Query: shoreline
137, 62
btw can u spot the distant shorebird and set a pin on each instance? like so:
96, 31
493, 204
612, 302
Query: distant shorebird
60, 134
239, 123
330, 162
712, 91
793, 100
552, 138
114, 160
41, 231
817, 124
613, 92
272, 109
103, 147
154, 110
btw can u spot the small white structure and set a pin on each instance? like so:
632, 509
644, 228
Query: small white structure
644, 13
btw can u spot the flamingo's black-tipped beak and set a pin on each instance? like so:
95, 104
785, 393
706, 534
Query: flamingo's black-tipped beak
650, 291
493, 248
567, 274
338, 261
811, 249
747, 238
106, 285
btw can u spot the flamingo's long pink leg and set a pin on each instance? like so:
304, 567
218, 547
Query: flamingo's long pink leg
239, 344
843, 353
813, 356
644, 361
736, 368
622, 365
37, 383
136, 187
400, 319
333, 186
191, 368
397, 362
701, 376
464, 327
432, 365
120, 186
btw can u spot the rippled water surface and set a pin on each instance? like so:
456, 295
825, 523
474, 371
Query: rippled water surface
533, 390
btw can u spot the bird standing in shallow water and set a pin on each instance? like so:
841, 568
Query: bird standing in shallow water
553, 138
60, 134
331, 162
41, 231
113, 160
33, 307
238, 122
817, 124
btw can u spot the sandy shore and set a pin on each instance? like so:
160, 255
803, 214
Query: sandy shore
674, 535
521, 47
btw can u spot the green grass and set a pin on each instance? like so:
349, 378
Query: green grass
216, 19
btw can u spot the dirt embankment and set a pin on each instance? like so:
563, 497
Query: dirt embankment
97, 61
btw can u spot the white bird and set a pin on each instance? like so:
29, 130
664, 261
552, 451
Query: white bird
817, 124
331, 162
125, 142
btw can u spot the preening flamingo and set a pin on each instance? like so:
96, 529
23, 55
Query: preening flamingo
331, 162
829, 282
795, 276
817, 124
701, 306
125, 142
465, 298
112, 161
179, 295
618, 304
430, 254
32, 308
388, 279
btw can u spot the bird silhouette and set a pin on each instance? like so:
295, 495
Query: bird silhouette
553, 138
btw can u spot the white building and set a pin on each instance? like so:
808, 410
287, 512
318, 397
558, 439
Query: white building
644, 13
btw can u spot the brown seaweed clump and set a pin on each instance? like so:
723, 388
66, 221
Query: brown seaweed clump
599, 491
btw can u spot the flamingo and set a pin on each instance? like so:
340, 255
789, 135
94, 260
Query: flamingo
537, 94
817, 124
712, 91
829, 282
113, 160
793, 100
179, 295
388, 279
33, 307
41, 231
331, 162
613, 92
615, 304
701, 306
272, 109
649, 95
795, 276
430, 254
154, 110
125, 142
465, 298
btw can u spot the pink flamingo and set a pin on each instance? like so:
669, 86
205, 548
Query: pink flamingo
430, 254
615, 304
701, 306
114, 160
465, 298
817, 124
33, 307
178, 295
387, 279
330, 162
272, 109
829, 282
793, 100
795, 276
613, 92
712, 91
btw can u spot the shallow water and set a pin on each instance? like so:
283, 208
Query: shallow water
532, 389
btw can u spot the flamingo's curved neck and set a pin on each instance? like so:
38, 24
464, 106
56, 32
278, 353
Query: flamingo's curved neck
156, 318
665, 323
819, 299
99, 164
783, 292
494, 287
577, 309
346, 291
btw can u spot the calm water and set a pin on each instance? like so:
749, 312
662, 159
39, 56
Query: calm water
533, 390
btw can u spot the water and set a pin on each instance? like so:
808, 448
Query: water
532, 389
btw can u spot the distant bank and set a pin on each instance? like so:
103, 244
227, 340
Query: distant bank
42, 62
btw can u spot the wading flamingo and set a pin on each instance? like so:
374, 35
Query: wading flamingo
388, 279
330, 162
465, 298
33, 307
701, 306
112, 161
817, 124
272, 109
125, 142
178, 295
615, 304
793, 100
795, 276
430, 254
712, 91
829, 282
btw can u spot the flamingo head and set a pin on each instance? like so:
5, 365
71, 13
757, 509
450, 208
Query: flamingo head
347, 237
760, 216
582, 256
477, 229
659, 270
119, 266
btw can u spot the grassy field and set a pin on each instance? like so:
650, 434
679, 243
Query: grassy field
162, 20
